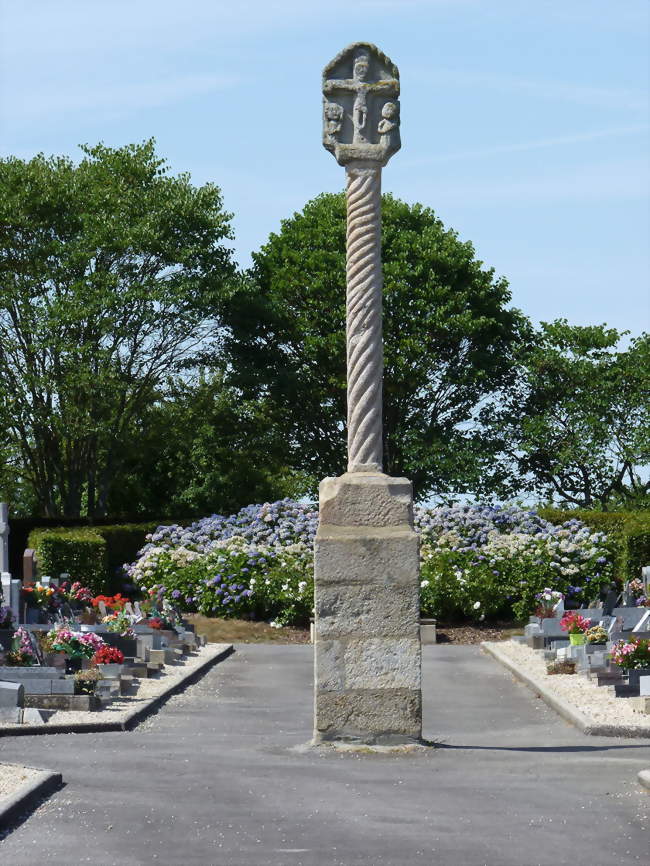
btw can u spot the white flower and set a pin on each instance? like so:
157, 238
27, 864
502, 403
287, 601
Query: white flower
476, 605
481, 617
268, 518
285, 587
424, 583
302, 584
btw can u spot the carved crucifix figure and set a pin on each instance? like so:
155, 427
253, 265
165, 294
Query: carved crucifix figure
362, 98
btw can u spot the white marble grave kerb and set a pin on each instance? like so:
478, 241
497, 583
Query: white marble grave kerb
367, 651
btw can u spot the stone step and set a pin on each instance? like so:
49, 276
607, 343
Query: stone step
63, 702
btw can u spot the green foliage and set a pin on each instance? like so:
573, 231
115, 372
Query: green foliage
81, 553
202, 449
575, 424
628, 536
232, 582
450, 341
109, 277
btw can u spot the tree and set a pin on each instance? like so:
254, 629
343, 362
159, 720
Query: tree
449, 335
201, 449
576, 422
109, 273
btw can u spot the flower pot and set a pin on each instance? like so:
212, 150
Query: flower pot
635, 673
73, 664
577, 639
110, 671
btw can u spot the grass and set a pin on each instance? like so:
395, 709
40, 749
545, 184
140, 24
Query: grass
219, 630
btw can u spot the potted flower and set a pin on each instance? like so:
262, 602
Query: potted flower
37, 598
596, 635
109, 660
633, 656
22, 652
75, 644
547, 599
85, 682
576, 626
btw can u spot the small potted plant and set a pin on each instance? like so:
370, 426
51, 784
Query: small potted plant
546, 600
633, 656
576, 626
109, 660
38, 599
85, 682
596, 635
22, 652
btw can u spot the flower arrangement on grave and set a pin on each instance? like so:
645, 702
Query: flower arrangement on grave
596, 634
22, 652
112, 602
75, 593
37, 595
636, 587
546, 601
75, 644
643, 601
108, 655
573, 623
6, 617
155, 622
86, 681
632, 654
119, 623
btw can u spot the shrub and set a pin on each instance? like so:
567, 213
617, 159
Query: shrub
488, 561
477, 561
81, 553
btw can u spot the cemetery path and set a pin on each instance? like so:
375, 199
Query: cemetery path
215, 779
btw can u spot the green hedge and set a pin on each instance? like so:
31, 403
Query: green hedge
81, 553
93, 555
628, 531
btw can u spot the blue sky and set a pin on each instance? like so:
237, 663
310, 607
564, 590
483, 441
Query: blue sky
525, 126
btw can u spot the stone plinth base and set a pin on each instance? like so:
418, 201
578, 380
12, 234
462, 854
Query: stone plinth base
367, 642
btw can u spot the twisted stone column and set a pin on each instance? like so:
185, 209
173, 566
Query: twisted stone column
364, 310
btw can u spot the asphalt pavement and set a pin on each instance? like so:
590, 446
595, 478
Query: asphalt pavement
223, 776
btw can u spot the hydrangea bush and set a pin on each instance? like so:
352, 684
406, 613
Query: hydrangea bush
488, 561
477, 561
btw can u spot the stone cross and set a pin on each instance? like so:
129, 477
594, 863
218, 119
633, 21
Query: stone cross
4, 536
366, 564
361, 129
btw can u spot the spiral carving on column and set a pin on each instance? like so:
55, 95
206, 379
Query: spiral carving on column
364, 327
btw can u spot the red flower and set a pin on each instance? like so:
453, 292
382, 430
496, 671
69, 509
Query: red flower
108, 655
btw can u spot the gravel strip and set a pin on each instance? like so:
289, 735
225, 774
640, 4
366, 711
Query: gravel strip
122, 711
603, 713
13, 777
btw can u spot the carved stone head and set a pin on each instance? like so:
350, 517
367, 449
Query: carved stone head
361, 105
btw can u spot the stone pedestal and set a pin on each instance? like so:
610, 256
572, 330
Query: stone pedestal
367, 643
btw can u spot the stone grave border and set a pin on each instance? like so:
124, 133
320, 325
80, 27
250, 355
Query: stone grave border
562, 707
131, 717
28, 797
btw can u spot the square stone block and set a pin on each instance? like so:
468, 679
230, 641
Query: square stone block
382, 663
369, 716
384, 556
366, 499
366, 609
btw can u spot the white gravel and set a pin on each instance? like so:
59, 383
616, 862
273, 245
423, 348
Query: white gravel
13, 777
149, 688
595, 702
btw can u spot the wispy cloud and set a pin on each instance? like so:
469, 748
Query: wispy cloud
116, 98
538, 144
620, 98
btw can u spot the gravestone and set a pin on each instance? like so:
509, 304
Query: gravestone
644, 623
629, 616
29, 565
611, 600
4, 537
12, 701
11, 594
366, 632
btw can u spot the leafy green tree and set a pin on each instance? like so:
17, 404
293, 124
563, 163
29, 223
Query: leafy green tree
576, 421
199, 450
109, 274
449, 334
